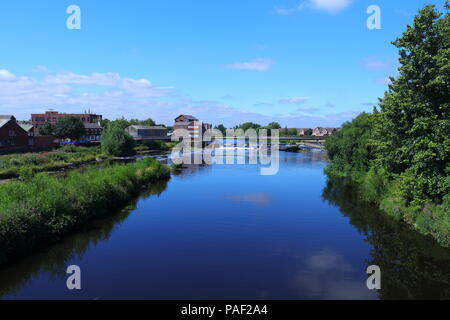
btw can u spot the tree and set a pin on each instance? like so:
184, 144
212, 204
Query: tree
221, 128
117, 142
249, 125
47, 129
273, 125
414, 123
69, 127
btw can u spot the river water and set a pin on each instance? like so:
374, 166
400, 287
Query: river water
227, 232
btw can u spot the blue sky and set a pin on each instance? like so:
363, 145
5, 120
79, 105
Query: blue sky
303, 63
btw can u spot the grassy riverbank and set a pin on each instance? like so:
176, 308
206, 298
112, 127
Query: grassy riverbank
17, 165
43, 208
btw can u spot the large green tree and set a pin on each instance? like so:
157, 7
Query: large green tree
412, 134
69, 127
117, 142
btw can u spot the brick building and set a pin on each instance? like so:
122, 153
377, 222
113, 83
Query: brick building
195, 127
15, 137
38, 119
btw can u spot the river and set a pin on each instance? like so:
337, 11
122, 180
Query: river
227, 232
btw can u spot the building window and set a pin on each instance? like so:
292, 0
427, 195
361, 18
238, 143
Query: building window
12, 133
30, 142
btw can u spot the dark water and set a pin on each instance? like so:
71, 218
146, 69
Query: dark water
226, 232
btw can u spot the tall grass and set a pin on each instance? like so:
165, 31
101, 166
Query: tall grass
12, 166
45, 207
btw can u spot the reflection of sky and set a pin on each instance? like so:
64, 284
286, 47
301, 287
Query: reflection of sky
327, 275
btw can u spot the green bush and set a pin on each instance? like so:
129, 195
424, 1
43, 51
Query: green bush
117, 142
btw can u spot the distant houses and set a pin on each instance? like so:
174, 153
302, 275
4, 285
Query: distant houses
321, 131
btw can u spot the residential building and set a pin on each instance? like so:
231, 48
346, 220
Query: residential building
147, 132
53, 117
17, 137
321, 132
304, 131
195, 127
13, 138
93, 132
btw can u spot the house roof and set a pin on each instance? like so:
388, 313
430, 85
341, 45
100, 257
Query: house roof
147, 127
188, 117
6, 117
3, 122
26, 127
92, 126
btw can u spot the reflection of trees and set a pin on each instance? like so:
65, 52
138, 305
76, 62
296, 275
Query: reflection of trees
412, 266
53, 260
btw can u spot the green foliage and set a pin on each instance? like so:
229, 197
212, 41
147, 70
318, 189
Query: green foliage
221, 128
155, 145
45, 207
273, 125
350, 149
401, 153
69, 127
47, 129
116, 142
19, 165
123, 123
248, 125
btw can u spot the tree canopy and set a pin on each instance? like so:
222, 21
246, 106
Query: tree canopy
117, 142
69, 127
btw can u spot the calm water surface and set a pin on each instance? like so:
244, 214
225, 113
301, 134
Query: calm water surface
226, 232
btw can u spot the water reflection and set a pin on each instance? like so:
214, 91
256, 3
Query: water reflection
53, 260
412, 266
327, 275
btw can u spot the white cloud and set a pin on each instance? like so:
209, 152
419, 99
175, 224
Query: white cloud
5, 75
261, 64
329, 6
294, 100
115, 96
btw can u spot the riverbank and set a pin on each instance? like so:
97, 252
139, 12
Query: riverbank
25, 165
43, 208
431, 219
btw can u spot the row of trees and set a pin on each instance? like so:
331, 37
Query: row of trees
400, 153
271, 126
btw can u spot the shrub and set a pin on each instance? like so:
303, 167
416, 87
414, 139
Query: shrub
117, 142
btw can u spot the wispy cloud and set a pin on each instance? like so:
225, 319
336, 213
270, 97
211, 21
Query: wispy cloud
260, 64
328, 6
372, 63
294, 100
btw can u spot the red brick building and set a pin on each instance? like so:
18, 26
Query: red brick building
38, 119
15, 138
